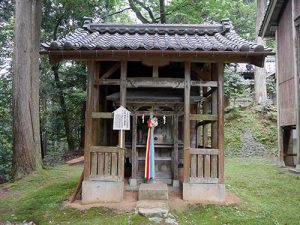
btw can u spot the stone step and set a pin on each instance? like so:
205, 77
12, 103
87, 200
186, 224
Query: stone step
153, 191
152, 208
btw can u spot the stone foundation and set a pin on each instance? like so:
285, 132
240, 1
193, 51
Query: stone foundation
102, 191
153, 192
203, 192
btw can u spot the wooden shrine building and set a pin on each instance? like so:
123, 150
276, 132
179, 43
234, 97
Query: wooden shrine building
174, 72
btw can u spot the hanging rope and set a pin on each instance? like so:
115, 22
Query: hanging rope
150, 153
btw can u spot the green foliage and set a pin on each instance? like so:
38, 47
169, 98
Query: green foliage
239, 121
5, 127
234, 84
268, 196
241, 13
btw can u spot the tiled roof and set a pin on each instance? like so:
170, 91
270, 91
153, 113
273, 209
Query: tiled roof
209, 37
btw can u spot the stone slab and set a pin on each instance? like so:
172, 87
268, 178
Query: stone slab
204, 192
102, 191
176, 183
153, 191
152, 208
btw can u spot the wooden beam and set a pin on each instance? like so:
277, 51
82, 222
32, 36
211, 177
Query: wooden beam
198, 180
134, 160
208, 93
104, 149
214, 126
123, 91
158, 82
92, 73
203, 123
166, 55
102, 115
187, 130
205, 127
206, 117
220, 67
204, 151
113, 69
175, 138
195, 83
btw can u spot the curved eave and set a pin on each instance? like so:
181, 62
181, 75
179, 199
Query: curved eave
255, 58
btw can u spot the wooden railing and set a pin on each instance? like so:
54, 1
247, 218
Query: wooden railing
107, 163
204, 165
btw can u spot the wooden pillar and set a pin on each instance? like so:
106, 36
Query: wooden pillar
297, 93
187, 130
134, 161
123, 91
91, 105
220, 67
175, 138
214, 125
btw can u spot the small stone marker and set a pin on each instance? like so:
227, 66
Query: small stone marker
121, 119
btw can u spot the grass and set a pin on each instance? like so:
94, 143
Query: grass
268, 196
263, 128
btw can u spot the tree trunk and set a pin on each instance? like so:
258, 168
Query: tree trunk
260, 84
64, 111
162, 11
26, 131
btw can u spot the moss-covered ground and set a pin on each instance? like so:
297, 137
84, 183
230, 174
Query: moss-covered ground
262, 126
268, 196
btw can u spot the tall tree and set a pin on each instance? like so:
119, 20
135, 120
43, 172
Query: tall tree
26, 132
260, 83
149, 11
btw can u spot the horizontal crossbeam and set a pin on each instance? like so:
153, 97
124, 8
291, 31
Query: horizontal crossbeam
157, 82
204, 151
207, 117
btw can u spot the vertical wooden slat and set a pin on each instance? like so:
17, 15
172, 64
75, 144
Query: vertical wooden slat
175, 154
207, 166
100, 164
193, 165
107, 164
121, 164
90, 103
200, 166
134, 158
94, 164
193, 110
205, 127
221, 120
114, 164
214, 125
187, 140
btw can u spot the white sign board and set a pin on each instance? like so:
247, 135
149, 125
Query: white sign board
121, 119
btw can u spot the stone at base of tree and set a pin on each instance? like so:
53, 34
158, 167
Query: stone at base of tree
214, 193
280, 163
102, 191
295, 170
